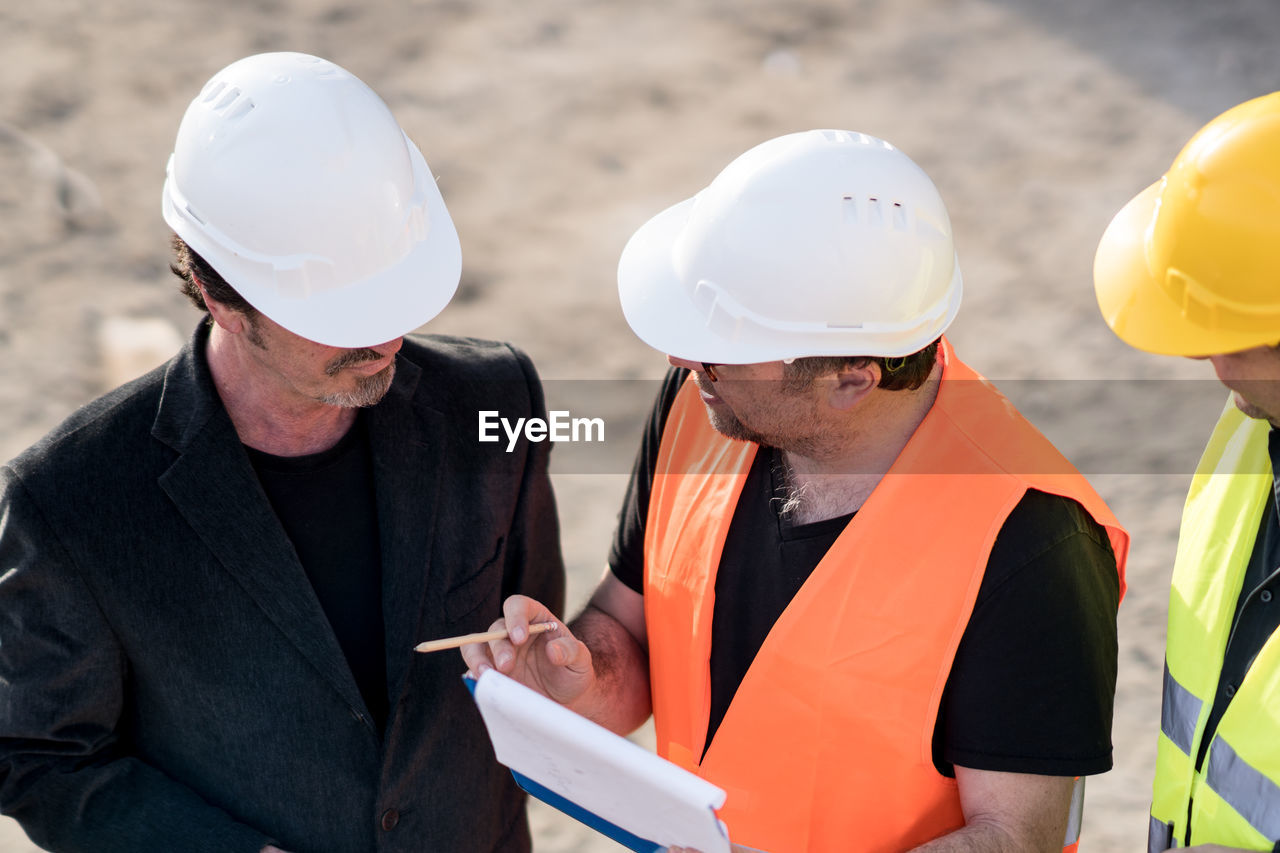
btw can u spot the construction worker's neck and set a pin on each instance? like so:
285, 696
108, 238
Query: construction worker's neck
272, 390
834, 475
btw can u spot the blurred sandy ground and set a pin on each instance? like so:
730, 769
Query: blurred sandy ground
556, 127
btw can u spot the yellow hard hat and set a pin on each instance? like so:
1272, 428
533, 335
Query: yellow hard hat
1191, 266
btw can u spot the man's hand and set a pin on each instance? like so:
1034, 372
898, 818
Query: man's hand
271, 848
604, 676
554, 663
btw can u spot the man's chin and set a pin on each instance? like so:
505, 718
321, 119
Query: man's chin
368, 391
1252, 411
730, 427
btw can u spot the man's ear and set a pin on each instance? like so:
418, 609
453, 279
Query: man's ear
852, 385
229, 320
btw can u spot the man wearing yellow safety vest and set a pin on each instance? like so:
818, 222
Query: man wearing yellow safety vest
1191, 267
858, 591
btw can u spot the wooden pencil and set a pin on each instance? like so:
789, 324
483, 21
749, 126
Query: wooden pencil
483, 637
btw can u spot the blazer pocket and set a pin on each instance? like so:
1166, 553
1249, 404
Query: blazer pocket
472, 592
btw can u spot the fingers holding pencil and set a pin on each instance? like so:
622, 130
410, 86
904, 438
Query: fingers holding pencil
508, 635
549, 660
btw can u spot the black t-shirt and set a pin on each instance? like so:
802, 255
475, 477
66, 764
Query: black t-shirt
1033, 681
1257, 613
325, 502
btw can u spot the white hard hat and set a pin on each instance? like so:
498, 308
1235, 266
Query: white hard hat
826, 242
293, 180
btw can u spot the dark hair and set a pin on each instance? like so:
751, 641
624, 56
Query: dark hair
191, 268
906, 372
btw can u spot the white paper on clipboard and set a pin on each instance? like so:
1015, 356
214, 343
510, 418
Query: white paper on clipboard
608, 776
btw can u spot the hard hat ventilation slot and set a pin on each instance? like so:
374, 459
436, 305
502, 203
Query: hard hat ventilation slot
850, 209
212, 90
240, 109
846, 137
227, 98
878, 213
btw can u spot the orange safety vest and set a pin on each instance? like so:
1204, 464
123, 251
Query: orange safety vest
827, 744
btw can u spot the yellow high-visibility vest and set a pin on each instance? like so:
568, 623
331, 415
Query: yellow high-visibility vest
1234, 799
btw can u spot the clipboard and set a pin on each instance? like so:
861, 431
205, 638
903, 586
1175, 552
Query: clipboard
616, 787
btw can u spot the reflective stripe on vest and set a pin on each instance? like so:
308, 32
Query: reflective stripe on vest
828, 740
1160, 836
1249, 792
1234, 799
1075, 816
1179, 713
1255, 797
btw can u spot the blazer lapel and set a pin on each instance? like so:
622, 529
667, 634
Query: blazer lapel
408, 455
214, 486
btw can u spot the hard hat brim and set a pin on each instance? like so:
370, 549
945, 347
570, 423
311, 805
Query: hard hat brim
656, 304
660, 309
1134, 304
379, 308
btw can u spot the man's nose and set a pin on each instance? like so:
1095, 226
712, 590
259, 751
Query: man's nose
684, 362
391, 347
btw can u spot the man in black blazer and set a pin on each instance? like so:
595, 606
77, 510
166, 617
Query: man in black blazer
212, 578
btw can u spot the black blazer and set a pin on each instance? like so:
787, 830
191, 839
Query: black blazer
168, 680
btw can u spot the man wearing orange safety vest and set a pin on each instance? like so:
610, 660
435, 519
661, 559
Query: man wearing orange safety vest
857, 590
1191, 267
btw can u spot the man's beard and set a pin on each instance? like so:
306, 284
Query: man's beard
727, 424
369, 389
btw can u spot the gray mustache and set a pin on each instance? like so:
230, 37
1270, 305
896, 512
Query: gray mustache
351, 358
